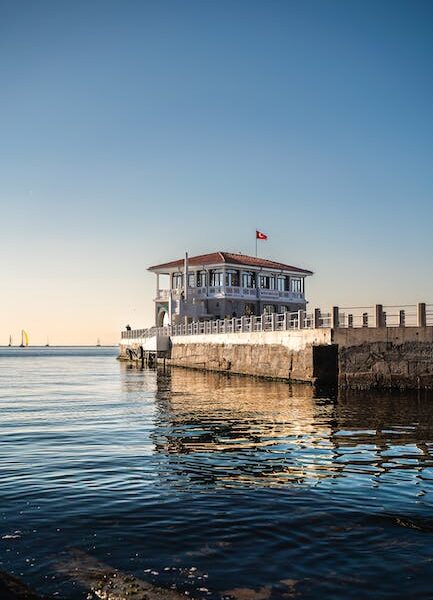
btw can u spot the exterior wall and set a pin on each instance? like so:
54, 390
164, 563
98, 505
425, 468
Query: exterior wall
218, 301
385, 358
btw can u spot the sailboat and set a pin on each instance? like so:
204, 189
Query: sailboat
48, 343
98, 342
24, 339
10, 341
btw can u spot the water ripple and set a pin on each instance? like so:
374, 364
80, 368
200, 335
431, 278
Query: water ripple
212, 485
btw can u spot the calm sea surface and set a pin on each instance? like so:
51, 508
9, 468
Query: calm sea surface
222, 487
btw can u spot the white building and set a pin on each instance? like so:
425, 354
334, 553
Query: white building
224, 284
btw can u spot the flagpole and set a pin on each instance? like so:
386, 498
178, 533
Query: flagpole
256, 243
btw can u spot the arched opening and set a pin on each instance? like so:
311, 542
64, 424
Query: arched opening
162, 319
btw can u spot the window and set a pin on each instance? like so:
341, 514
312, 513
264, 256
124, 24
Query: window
267, 282
248, 279
202, 278
281, 283
296, 284
177, 281
191, 279
232, 278
216, 278
269, 309
250, 309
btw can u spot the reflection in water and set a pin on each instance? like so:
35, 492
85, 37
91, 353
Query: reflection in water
248, 428
238, 430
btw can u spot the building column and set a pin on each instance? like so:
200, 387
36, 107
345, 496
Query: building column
185, 277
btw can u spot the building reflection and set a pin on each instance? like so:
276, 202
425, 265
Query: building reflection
211, 428
242, 430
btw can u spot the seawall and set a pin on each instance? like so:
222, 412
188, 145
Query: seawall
273, 354
355, 358
385, 357
299, 355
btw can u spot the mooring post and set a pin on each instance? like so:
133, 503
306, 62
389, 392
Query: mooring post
317, 318
421, 316
402, 319
379, 315
335, 317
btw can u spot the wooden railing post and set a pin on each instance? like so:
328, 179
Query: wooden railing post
317, 318
286, 320
273, 320
402, 319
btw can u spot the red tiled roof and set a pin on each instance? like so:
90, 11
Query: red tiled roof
216, 258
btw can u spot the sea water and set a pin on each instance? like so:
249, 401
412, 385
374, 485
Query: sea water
216, 486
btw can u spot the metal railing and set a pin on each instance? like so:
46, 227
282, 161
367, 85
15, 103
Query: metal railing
416, 315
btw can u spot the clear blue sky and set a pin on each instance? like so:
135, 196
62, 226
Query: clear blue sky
131, 131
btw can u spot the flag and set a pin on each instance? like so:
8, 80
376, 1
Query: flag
260, 235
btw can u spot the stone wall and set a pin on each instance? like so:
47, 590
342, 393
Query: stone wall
385, 358
275, 354
265, 360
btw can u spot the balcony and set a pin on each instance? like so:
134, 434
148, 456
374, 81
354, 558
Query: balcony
232, 292
162, 295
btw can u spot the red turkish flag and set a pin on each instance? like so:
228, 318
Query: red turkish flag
261, 236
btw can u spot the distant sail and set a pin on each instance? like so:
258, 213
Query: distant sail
24, 338
10, 340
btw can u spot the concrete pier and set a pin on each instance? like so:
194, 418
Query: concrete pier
371, 348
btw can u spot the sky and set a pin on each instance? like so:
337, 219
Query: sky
132, 131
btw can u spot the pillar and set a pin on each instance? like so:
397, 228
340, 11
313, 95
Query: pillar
379, 315
421, 316
301, 317
335, 317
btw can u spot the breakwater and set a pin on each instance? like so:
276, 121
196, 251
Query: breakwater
372, 347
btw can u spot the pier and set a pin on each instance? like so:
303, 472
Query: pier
384, 347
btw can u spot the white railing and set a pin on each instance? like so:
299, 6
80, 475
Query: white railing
226, 291
410, 315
